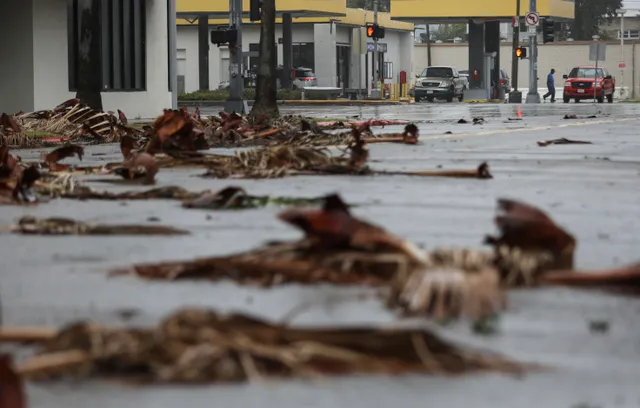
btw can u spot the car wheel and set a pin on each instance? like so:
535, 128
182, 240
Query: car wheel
577, 100
601, 99
566, 100
429, 98
449, 98
610, 98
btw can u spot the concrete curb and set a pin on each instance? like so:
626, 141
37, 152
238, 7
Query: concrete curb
483, 101
302, 103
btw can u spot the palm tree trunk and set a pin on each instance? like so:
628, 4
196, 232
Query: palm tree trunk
266, 92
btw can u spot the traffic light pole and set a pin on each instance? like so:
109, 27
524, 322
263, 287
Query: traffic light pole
376, 93
533, 96
515, 96
235, 102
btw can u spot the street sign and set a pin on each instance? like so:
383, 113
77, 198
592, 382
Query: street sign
515, 22
622, 64
532, 18
382, 47
597, 52
532, 29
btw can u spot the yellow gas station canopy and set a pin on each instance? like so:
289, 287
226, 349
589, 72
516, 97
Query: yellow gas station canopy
219, 9
431, 11
350, 17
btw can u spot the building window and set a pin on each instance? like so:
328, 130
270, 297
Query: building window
304, 55
122, 38
630, 34
254, 61
388, 70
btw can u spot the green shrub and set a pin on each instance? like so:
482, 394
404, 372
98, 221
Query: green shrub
289, 94
223, 94
215, 95
316, 96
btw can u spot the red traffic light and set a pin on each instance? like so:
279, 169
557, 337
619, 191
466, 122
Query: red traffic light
521, 52
375, 31
370, 30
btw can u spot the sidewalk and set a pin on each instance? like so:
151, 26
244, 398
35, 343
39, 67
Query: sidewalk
542, 91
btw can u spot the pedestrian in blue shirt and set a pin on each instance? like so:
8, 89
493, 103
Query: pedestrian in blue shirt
551, 86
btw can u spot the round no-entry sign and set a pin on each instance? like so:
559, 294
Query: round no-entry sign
532, 18
622, 65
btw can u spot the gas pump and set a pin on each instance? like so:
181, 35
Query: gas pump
489, 61
480, 87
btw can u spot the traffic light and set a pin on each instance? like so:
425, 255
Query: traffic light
224, 36
521, 52
255, 10
375, 31
548, 30
371, 30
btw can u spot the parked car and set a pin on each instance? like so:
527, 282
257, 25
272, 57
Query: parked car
439, 83
579, 84
302, 77
505, 81
464, 74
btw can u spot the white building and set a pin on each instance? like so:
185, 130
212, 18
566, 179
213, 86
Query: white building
329, 49
35, 69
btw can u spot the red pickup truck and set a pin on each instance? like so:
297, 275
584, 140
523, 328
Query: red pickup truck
579, 84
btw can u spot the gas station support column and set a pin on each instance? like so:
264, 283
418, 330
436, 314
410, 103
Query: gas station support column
287, 49
476, 61
492, 44
203, 52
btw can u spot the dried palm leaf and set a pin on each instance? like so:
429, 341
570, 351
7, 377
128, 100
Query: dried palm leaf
196, 345
65, 226
625, 279
531, 240
446, 292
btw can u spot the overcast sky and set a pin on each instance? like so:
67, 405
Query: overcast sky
631, 4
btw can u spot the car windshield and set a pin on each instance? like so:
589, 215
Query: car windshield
304, 73
585, 73
463, 72
438, 72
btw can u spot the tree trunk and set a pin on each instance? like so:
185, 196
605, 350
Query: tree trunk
89, 68
266, 91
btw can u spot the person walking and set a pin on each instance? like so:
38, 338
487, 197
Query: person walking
551, 86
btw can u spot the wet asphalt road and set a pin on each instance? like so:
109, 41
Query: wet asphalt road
592, 190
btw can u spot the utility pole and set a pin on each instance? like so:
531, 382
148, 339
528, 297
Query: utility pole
235, 102
173, 54
378, 93
622, 60
533, 96
360, 61
515, 96
428, 45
